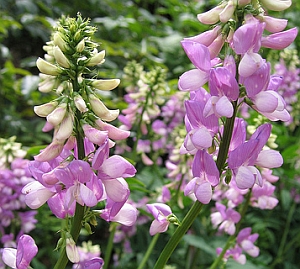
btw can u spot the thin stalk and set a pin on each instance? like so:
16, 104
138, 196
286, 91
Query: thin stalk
110, 244
149, 251
177, 236
284, 236
79, 211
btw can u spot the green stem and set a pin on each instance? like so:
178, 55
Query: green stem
149, 251
177, 236
79, 211
284, 236
197, 206
110, 244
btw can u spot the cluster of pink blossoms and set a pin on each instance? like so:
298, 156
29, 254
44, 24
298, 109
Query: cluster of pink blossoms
241, 76
76, 172
15, 220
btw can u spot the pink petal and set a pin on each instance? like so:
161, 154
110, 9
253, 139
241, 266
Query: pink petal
249, 64
203, 192
192, 80
87, 196
280, 40
224, 107
198, 54
36, 194
126, 216
269, 159
158, 227
244, 178
265, 102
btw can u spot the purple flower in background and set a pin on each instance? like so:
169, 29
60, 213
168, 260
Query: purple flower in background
226, 218
21, 257
245, 240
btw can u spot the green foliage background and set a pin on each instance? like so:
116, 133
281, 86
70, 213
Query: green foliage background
150, 33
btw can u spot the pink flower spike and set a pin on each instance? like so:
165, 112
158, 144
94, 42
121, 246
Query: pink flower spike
281, 40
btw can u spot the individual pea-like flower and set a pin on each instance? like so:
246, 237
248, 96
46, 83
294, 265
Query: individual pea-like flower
160, 212
20, 257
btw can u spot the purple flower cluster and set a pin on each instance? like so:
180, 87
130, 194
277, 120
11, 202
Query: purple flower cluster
218, 87
15, 221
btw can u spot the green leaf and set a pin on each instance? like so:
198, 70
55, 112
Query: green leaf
200, 243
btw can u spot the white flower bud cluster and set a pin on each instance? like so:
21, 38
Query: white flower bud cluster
70, 57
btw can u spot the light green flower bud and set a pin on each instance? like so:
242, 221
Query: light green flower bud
45, 109
105, 84
61, 59
57, 115
276, 5
97, 58
72, 251
80, 46
47, 68
101, 110
80, 103
47, 85
59, 41
65, 128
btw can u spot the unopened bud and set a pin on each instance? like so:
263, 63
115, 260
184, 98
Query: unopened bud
227, 12
276, 5
80, 46
47, 68
59, 41
211, 16
57, 115
101, 110
45, 109
61, 59
105, 84
98, 58
80, 103
65, 128
72, 251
